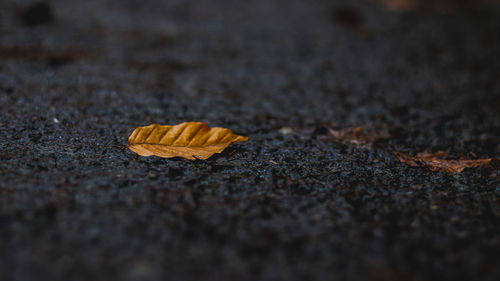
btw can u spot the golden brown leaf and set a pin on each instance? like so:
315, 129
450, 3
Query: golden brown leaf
190, 140
433, 163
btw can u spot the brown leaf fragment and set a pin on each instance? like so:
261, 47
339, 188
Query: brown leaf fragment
433, 163
356, 136
190, 140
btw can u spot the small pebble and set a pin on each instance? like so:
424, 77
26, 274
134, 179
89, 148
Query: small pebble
286, 130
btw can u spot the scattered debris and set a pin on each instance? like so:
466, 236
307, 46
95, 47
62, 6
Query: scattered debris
433, 162
190, 140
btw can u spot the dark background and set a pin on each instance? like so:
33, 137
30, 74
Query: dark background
76, 78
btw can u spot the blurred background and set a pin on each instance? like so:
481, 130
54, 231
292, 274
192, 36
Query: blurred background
260, 55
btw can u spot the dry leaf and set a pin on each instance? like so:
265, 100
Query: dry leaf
356, 136
432, 161
190, 140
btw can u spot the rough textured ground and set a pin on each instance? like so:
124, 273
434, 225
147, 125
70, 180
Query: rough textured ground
76, 78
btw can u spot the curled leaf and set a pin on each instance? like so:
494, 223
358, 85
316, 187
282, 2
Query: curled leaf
433, 163
190, 140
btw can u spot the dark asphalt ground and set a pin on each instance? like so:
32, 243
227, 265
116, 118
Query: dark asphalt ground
77, 77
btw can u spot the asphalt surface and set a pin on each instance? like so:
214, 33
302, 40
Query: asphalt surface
292, 203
